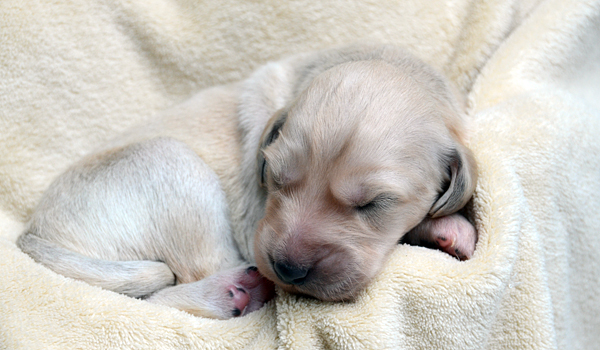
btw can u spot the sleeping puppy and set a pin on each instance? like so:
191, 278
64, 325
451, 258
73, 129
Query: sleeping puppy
313, 169
366, 152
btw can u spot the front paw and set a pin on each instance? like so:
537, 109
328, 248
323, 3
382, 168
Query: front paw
454, 235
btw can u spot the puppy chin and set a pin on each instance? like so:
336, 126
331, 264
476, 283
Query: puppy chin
322, 288
339, 274
328, 291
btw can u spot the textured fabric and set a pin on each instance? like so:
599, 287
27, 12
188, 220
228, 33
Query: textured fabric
74, 74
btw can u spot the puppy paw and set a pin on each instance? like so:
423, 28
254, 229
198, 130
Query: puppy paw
454, 235
226, 294
249, 291
240, 299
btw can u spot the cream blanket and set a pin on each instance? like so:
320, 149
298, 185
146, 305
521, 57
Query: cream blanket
76, 73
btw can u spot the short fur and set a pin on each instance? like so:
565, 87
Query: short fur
313, 168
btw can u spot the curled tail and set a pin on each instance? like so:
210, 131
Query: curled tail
133, 278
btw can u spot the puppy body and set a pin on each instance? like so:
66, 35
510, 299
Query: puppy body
356, 146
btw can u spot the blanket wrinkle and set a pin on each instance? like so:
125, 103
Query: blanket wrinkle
76, 74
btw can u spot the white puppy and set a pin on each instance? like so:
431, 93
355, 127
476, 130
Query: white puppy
314, 169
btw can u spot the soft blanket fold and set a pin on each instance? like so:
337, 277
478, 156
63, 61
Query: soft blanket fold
75, 74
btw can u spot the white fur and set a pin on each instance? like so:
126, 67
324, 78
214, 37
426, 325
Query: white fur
181, 193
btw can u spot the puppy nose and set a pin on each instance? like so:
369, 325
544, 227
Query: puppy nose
290, 274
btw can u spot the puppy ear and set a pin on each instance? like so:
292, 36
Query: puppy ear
270, 134
462, 178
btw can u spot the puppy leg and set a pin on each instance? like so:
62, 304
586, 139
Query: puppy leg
230, 293
135, 220
453, 234
154, 200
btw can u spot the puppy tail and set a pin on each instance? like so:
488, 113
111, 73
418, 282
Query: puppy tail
133, 278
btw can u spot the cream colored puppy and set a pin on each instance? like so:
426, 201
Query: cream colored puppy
314, 169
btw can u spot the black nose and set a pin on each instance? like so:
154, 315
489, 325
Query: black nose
290, 274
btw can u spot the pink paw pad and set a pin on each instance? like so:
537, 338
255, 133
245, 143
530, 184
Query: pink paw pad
455, 236
250, 291
445, 242
241, 299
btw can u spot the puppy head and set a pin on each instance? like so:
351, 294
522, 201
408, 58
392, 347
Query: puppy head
356, 161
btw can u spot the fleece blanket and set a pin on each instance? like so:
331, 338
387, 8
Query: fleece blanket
74, 74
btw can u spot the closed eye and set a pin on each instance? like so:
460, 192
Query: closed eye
367, 206
380, 202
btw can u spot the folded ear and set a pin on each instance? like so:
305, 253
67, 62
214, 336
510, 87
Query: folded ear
460, 184
270, 134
